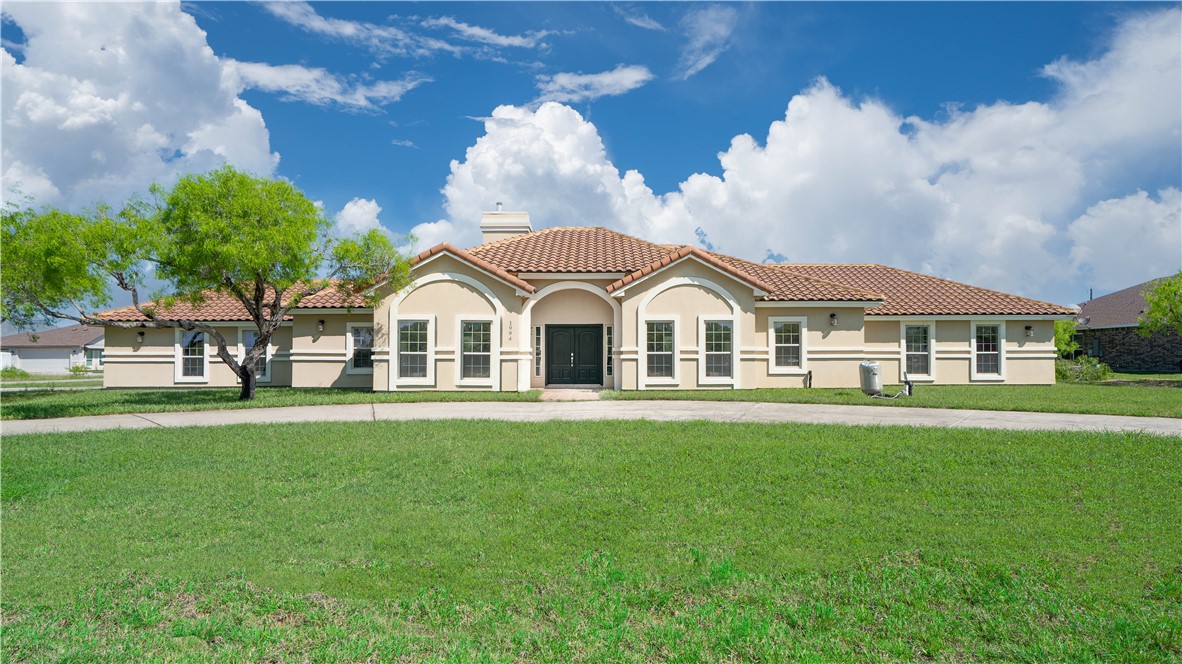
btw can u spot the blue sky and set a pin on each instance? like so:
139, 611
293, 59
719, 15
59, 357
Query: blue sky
1033, 148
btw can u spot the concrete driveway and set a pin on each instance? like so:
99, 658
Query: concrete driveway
615, 410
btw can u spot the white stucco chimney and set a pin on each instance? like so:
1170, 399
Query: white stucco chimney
500, 224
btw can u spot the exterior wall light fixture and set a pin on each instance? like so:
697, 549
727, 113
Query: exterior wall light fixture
320, 325
1030, 330
139, 337
833, 319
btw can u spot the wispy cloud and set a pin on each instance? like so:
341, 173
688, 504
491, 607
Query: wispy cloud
320, 87
483, 35
708, 33
637, 18
404, 143
570, 87
381, 40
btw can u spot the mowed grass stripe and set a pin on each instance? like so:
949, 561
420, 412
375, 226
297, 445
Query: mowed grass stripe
1138, 399
49, 404
379, 509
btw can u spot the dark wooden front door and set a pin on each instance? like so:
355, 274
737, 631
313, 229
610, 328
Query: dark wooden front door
574, 354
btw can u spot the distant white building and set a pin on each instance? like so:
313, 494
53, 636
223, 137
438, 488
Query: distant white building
54, 350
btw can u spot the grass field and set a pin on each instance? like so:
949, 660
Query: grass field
1126, 397
41, 405
591, 541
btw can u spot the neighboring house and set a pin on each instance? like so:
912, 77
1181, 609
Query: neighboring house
1107, 329
590, 306
54, 350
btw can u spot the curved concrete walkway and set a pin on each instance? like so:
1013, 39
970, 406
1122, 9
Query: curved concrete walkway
717, 411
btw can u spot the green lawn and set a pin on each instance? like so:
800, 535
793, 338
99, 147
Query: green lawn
41, 405
590, 541
1106, 398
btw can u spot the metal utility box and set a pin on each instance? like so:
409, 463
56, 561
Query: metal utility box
871, 378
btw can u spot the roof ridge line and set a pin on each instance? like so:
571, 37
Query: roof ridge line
961, 283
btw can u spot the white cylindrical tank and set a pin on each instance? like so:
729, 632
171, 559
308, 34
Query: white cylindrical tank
871, 377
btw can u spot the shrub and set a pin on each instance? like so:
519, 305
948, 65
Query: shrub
78, 369
1084, 369
12, 373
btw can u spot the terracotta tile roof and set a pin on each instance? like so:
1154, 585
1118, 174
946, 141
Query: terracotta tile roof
225, 307
478, 261
913, 294
685, 252
791, 287
72, 336
572, 249
1120, 309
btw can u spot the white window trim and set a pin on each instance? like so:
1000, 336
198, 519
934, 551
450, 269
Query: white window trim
675, 379
349, 369
178, 359
494, 351
929, 377
1001, 352
732, 379
774, 370
242, 330
396, 351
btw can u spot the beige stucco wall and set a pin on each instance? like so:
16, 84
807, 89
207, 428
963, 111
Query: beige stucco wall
318, 358
687, 302
1027, 360
152, 363
446, 303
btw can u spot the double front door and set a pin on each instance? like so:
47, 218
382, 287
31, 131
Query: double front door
574, 354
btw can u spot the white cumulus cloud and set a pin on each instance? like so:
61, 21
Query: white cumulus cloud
574, 88
358, 216
992, 195
111, 97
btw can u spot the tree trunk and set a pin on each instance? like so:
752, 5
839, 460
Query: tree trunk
248, 382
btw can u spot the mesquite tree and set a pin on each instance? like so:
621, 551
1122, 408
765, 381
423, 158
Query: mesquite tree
258, 240
1163, 310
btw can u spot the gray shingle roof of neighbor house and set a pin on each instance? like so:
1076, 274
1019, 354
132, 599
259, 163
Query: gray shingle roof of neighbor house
73, 336
1119, 309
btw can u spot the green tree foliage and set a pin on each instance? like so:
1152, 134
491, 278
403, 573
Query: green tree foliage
1065, 343
258, 240
1164, 307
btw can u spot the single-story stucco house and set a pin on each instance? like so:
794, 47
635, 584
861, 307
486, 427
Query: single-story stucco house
590, 306
53, 351
1107, 328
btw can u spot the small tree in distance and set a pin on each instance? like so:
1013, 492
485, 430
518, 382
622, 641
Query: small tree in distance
258, 240
1164, 307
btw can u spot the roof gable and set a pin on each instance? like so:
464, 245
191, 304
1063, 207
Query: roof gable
476, 262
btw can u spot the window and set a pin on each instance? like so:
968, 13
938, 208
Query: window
786, 341
608, 336
988, 349
193, 355
476, 349
659, 349
249, 337
538, 351
361, 355
918, 350
94, 358
719, 345
412, 348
